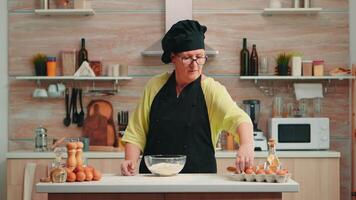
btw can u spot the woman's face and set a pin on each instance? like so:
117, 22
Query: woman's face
188, 65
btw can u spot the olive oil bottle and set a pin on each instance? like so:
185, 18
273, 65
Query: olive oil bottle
273, 162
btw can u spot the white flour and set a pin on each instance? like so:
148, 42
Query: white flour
166, 169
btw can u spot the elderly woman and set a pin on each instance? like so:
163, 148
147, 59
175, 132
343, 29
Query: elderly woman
183, 112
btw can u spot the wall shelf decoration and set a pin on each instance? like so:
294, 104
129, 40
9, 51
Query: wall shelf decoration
291, 11
49, 12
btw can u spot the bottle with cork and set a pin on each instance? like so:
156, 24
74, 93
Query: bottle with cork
272, 162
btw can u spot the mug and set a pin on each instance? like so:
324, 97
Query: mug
53, 90
40, 93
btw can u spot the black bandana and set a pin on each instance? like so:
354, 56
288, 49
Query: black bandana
184, 35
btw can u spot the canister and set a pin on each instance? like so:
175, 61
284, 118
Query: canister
51, 66
40, 139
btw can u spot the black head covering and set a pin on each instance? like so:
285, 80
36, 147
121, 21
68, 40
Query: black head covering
184, 35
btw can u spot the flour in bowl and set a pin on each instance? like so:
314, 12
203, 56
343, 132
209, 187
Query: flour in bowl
166, 169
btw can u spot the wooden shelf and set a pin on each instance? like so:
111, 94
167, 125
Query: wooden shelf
98, 78
297, 77
291, 11
49, 12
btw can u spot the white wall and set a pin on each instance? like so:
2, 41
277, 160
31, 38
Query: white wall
352, 11
3, 97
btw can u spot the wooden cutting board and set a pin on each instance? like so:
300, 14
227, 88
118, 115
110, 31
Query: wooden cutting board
99, 124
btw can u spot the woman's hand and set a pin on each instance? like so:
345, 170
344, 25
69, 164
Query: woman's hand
244, 157
128, 168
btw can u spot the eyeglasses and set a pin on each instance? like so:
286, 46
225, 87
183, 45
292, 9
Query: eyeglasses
189, 60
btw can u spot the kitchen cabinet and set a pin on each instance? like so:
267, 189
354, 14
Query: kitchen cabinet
317, 172
50, 12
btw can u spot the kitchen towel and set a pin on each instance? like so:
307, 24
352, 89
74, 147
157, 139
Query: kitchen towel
308, 90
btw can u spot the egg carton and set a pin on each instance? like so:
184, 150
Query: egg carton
270, 178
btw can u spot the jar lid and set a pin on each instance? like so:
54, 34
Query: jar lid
51, 58
318, 62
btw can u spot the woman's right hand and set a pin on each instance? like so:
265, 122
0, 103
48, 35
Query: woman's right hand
128, 168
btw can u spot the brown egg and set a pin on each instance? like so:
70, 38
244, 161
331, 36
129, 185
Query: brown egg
71, 145
249, 170
268, 171
79, 169
281, 172
80, 145
80, 176
260, 171
88, 169
88, 175
97, 175
71, 177
231, 169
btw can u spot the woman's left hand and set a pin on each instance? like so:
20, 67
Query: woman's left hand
244, 157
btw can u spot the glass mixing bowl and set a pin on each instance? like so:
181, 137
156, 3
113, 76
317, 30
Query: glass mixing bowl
165, 165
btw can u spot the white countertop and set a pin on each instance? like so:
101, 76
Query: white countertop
218, 154
148, 183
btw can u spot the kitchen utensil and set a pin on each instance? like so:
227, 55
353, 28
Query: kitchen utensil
99, 124
123, 119
81, 114
74, 108
40, 139
66, 120
165, 165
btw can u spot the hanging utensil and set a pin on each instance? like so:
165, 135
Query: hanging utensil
74, 108
66, 120
81, 114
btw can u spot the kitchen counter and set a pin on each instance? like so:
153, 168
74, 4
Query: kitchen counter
191, 185
219, 154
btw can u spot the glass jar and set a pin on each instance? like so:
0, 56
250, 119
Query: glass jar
318, 68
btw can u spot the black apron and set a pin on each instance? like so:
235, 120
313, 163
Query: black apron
180, 125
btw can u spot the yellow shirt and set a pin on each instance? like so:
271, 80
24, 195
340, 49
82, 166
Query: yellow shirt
223, 112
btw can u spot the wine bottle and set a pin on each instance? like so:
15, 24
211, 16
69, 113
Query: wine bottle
244, 59
253, 62
82, 54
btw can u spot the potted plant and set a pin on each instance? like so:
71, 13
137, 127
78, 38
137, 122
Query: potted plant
283, 64
40, 60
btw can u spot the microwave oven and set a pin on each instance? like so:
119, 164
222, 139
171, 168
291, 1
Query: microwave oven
300, 133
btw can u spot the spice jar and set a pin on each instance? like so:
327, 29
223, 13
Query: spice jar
51, 66
318, 68
307, 68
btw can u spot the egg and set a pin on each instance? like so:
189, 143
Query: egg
231, 169
89, 168
79, 169
249, 170
97, 175
88, 175
268, 171
80, 176
71, 177
261, 171
281, 172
